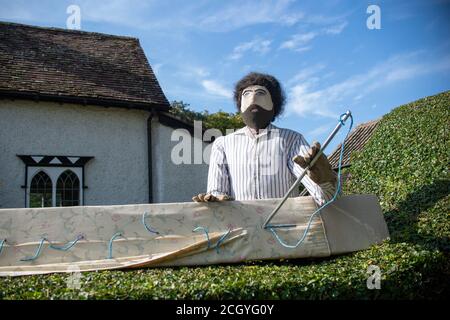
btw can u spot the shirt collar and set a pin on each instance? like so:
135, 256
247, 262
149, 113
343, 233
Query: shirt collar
249, 133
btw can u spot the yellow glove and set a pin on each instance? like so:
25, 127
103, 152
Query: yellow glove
321, 171
208, 197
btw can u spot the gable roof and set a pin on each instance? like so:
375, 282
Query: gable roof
355, 141
76, 66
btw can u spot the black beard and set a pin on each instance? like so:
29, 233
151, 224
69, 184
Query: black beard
259, 119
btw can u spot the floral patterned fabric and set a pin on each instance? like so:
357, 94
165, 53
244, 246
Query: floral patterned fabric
115, 237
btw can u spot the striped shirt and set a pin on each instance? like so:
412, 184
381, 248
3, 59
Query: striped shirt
246, 166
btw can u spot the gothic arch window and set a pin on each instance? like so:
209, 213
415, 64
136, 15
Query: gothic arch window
62, 178
68, 189
41, 190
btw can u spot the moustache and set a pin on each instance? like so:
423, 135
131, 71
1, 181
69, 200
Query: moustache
255, 108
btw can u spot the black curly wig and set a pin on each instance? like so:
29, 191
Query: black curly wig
261, 79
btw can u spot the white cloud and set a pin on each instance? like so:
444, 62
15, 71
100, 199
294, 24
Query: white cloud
238, 14
307, 74
176, 16
299, 42
336, 29
215, 88
130, 13
256, 45
191, 79
305, 98
319, 130
303, 49
304, 101
188, 71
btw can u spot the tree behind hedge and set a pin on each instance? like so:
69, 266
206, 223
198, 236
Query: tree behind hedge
219, 120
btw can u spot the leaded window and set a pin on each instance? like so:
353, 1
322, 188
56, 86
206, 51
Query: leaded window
41, 191
68, 190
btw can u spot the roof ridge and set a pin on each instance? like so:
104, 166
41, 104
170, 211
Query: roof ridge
355, 141
58, 29
76, 66
364, 124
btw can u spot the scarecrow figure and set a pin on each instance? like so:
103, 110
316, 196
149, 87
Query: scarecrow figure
262, 161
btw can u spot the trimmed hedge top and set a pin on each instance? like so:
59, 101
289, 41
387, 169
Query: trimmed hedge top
405, 164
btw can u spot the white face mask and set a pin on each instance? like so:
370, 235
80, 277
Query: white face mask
258, 95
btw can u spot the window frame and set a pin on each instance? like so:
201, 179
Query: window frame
43, 172
53, 166
63, 191
54, 172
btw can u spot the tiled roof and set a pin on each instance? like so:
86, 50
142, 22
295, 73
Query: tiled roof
58, 64
354, 142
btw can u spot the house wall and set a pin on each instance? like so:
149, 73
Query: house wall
117, 138
176, 182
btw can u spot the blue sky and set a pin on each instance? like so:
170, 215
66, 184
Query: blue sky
322, 52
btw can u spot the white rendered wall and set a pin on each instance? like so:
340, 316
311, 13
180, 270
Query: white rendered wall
116, 137
175, 182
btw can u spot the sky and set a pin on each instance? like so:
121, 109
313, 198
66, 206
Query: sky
323, 53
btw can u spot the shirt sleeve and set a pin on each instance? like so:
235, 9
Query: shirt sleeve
321, 193
218, 177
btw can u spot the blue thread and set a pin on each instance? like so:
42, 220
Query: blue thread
326, 204
206, 233
38, 251
222, 238
68, 245
1, 245
145, 224
117, 234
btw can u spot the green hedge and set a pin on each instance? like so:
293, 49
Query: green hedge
405, 164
